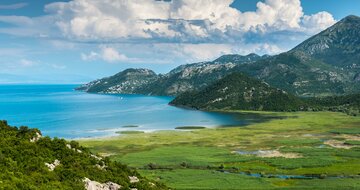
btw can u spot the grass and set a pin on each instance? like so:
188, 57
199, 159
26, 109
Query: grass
129, 132
352, 131
196, 179
190, 159
175, 155
352, 142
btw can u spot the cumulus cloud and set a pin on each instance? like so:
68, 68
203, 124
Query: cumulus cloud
174, 21
194, 26
107, 54
184, 20
317, 22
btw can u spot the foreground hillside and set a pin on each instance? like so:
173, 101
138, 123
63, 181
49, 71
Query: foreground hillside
302, 151
29, 161
326, 64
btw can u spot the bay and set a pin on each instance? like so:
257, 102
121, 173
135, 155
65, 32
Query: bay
59, 111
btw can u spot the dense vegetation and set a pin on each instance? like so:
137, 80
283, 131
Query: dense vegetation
349, 104
240, 92
22, 163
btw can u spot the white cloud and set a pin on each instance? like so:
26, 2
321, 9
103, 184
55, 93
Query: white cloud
107, 54
28, 63
317, 22
199, 29
90, 56
111, 55
202, 52
208, 51
13, 6
174, 21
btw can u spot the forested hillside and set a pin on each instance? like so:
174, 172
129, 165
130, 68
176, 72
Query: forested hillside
240, 92
29, 161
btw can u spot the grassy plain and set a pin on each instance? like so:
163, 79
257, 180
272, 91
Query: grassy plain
324, 145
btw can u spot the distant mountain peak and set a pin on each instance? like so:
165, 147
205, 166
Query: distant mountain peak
351, 18
252, 55
138, 71
337, 45
238, 58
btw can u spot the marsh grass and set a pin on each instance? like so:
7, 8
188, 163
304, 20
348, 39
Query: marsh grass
205, 151
129, 132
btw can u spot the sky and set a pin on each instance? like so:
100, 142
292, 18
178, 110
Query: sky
75, 41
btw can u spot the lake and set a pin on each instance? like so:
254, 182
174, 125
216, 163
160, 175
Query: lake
59, 111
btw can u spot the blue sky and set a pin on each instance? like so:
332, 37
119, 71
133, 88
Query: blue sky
75, 41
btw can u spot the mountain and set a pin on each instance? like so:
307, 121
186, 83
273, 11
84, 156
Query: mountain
239, 92
325, 64
128, 81
234, 58
30, 161
181, 79
337, 46
198, 75
300, 75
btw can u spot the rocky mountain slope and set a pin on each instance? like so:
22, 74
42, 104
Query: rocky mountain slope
339, 45
128, 81
179, 80
30, 161
326, 64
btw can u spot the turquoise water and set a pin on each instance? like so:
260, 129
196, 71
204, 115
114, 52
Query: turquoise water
58, 110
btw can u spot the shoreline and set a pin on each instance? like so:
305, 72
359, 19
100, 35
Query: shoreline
271, 115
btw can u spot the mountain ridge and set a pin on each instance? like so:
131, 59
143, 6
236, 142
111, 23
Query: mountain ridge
326, 64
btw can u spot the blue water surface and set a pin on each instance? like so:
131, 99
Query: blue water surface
59, 111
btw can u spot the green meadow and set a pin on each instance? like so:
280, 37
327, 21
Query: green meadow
323, 146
